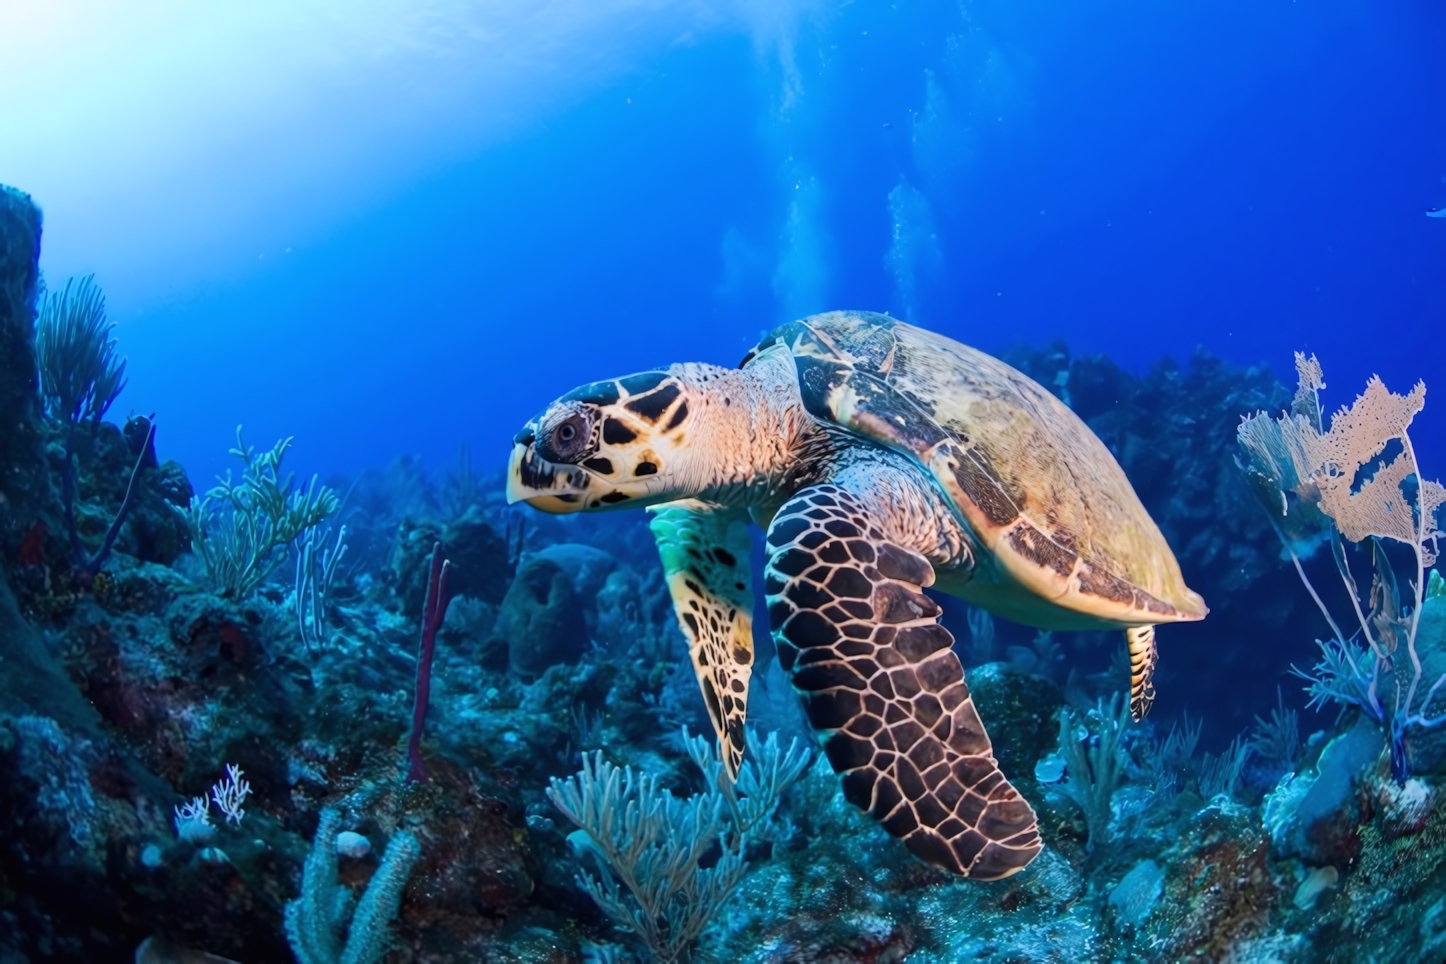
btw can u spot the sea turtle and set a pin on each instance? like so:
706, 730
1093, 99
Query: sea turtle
880, 458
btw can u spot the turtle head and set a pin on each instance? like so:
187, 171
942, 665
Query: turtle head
610, 444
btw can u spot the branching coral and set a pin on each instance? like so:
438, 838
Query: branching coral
1278, 738
1311, 480
316, 568
241, 529
80, 378
1095, 761
647, 843
79, 373
1220, 774
317, 919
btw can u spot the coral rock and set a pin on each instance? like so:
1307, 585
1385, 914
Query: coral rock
1315, 817
550, 610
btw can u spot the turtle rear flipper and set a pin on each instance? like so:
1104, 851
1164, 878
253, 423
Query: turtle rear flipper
1143, 657
884, 688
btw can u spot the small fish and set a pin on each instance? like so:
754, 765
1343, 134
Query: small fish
1436, 212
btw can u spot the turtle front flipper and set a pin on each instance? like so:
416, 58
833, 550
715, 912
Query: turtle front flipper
882, 685
1143, 657
705, 558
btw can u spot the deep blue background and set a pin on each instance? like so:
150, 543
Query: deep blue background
1135, 178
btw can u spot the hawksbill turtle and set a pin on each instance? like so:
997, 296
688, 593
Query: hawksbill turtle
880, 459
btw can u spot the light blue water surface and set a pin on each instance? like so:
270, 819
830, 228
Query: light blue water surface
399, 228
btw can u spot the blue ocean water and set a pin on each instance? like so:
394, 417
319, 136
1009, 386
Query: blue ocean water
401, 230
404, 259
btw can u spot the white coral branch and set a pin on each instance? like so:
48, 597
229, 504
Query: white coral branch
230, 792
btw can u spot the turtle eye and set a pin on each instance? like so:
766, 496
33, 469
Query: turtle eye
567, 440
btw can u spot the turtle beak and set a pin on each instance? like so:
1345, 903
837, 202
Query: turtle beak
558, 489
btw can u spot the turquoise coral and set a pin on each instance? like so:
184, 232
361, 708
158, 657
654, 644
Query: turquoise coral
317, 920
80, 375
1094, 761
242, 530
651, 842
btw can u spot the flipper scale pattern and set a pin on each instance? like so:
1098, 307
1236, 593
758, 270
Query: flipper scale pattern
880, 681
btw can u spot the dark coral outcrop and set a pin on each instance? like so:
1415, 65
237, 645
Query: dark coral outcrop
25, 487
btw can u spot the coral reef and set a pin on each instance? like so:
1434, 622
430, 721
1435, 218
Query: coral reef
558, 690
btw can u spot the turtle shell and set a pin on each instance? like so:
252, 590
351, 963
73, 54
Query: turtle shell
1062, 541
